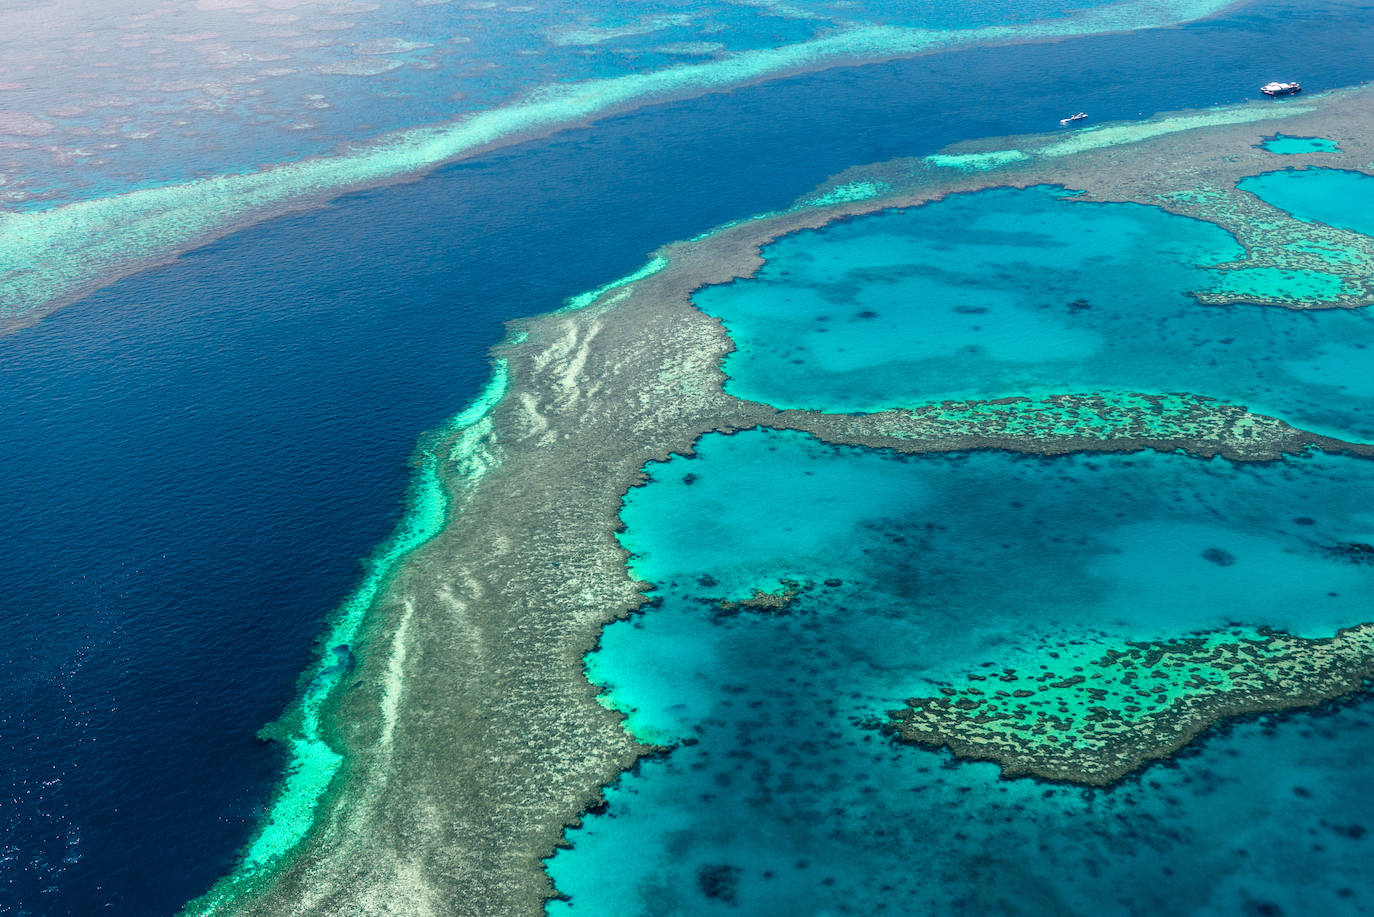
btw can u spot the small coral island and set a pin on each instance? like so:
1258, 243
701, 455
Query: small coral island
1091, 714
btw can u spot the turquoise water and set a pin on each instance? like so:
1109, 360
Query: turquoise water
1331, 196
779, 802
1029, 292
1288, 146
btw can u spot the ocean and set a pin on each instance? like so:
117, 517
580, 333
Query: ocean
196, 458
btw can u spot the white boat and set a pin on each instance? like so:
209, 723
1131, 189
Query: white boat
1281, 89
1072, 118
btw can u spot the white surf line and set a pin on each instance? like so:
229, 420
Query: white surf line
395, 678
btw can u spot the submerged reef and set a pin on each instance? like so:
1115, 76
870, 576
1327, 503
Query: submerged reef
469, 737
763, 600
1093, 714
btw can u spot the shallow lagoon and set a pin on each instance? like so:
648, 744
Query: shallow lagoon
782, 803
1332, 196
1285, 145
1032, 292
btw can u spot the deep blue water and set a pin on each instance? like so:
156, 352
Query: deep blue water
194, 459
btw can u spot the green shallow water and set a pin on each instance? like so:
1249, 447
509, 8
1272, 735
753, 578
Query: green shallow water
1031, 292
923, 569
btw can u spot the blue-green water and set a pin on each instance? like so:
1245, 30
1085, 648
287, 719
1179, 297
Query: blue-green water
1005, 292
1285, 145
1331, 196
780, 802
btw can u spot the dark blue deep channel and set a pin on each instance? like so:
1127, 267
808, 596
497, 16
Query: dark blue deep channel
193, 461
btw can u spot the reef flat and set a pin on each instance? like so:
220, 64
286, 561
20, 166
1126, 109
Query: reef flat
1059, 424
469, 737
1092, 716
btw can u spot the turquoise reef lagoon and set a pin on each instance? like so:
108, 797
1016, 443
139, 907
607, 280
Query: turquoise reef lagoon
1033, 292
1335, 197
1285, 145
779, 797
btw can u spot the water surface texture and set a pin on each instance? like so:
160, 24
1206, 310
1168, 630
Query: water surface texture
780, 801
1030, 292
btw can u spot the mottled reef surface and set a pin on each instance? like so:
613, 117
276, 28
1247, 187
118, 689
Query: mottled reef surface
470, 734
1090, 714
